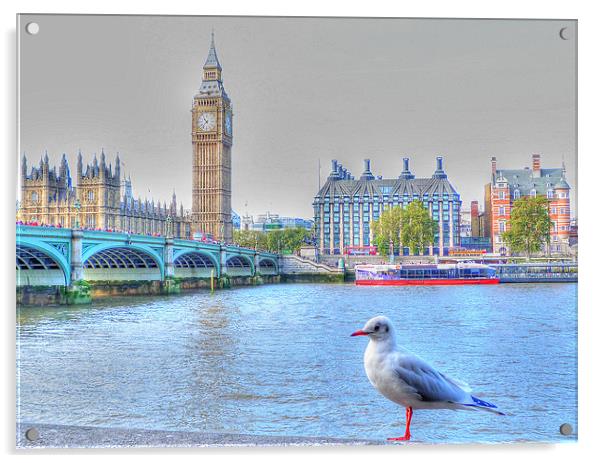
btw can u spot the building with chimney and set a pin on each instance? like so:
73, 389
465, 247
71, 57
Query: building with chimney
508, 185
344, 206
98, 200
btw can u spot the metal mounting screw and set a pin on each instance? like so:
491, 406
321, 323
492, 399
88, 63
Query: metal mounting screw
565, 33
32, 434
32, 28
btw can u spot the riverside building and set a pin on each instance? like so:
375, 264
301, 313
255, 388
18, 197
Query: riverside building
344, 207
508, 185
103, 199
100, 199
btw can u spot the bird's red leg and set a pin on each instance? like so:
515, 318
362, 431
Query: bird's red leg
409, 413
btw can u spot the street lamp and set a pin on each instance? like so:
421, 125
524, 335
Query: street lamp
77, 207
391, 255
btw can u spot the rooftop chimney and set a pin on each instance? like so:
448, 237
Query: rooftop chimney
367, 175
439, 172
536, 165
405, 173
335, 169
493, 168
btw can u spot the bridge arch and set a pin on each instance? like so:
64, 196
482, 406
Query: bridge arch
41, 264
240, 265
113, 262
195, 264
268, 266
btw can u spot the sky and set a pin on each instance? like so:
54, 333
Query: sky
304, 91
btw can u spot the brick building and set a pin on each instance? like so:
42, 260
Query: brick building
508, 185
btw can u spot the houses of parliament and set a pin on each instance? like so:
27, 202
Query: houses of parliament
102, 198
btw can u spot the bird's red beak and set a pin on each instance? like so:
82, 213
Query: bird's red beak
359, 333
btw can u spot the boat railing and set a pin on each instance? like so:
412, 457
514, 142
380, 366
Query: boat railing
546, 271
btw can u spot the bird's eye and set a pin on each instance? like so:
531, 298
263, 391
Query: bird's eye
376, 328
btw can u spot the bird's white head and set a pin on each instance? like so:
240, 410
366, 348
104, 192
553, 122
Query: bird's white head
378, 329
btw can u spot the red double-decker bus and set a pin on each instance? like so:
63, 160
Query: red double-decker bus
360, 250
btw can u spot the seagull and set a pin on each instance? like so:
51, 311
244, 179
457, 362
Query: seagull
407, 380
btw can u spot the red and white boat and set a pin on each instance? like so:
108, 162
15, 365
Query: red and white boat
462, 273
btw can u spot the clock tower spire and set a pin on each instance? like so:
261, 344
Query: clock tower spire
212, 70
211, 153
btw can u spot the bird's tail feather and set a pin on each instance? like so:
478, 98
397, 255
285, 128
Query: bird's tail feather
479, 404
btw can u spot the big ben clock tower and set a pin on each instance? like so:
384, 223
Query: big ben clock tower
211, 153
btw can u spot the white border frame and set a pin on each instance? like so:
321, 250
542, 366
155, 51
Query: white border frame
589, 79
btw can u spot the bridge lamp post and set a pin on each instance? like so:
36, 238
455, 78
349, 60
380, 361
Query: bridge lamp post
77, 207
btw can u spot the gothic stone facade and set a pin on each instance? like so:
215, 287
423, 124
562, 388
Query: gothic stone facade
508, 185
344, 207
98, 201
211, 154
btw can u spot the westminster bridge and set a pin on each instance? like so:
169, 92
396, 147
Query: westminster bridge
49, 256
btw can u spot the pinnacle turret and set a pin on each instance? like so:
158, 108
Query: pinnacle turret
63, 167
80, 165
118, 167
24, 166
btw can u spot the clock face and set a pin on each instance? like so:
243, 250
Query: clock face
228, 123
206, 121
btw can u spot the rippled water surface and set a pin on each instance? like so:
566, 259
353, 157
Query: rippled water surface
278, 360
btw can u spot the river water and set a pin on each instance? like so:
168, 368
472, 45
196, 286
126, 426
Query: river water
278, 360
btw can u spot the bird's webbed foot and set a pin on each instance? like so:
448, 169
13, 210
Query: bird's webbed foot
402, 438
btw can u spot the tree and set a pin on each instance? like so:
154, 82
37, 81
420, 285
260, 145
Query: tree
386, 230
250, 239
417, 227
290, 239
529, 225
411, 227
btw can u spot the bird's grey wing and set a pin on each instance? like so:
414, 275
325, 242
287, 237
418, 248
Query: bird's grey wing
461, 384
431, 385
